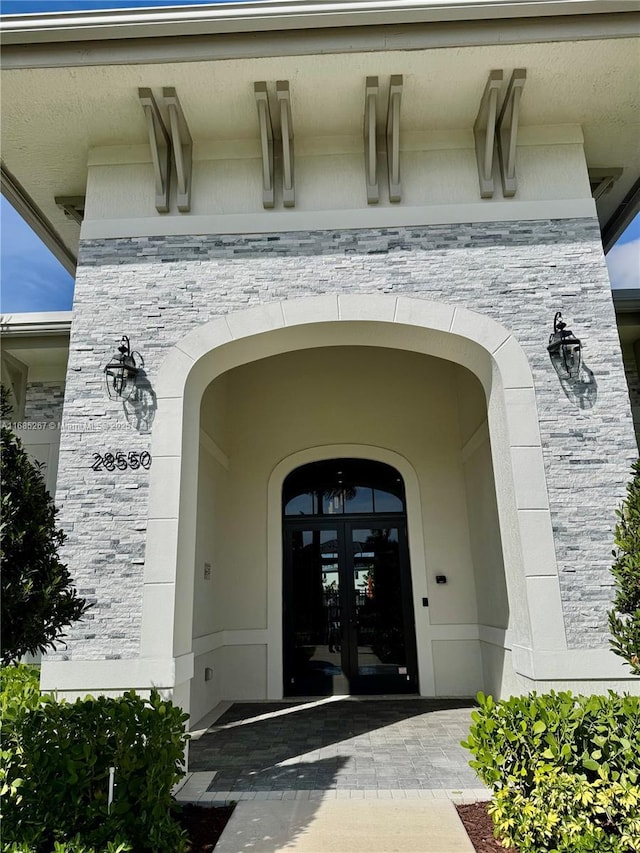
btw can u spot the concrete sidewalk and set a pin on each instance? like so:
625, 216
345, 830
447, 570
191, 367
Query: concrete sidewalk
345, 826
338, 821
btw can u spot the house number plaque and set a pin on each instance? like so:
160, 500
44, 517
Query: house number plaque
120, 461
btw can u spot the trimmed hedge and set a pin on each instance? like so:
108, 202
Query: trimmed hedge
564, 769
55, 771
75, 845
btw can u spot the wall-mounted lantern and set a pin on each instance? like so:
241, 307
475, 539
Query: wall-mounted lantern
564, 349
121, 372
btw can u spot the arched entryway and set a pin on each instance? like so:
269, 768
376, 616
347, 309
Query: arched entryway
348, 623
251, 338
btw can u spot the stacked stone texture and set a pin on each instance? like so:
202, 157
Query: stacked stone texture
44, 401
157, 289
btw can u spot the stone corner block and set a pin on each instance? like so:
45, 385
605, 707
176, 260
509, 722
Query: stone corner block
311, 309
479, 328
161, 549
164, 492
545, 612
529, 478
173, 374
522, 417
166, 435
254, 321
424, 313
513, 365
356, 306
203, 339
538, 549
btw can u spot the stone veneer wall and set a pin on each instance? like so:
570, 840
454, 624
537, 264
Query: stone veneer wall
156, 289
44, 401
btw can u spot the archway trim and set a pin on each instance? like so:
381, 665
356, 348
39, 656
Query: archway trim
454, 333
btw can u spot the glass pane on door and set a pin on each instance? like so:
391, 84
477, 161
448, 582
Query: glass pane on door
378, 618
316, 614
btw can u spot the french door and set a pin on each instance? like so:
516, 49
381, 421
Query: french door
348, 607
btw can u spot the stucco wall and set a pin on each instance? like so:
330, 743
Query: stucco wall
367, 396
517, 273
437, 169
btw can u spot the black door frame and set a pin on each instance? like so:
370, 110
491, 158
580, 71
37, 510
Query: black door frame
343, 525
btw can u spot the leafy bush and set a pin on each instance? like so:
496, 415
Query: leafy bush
20, 689
75, 845
565, 813
624, 618
55, 772
564, 770
38, 600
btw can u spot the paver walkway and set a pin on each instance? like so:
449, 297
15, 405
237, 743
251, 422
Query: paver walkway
341, 744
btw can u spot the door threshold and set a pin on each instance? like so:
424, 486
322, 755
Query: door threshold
353, 697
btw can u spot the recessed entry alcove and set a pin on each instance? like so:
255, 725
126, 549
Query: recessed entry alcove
409, 434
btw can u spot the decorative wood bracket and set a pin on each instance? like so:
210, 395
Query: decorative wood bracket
393, 137
484, 131
266, 143
602, 180
286, 124
72, 205
508, 132
182, 148
370, 140
160, 148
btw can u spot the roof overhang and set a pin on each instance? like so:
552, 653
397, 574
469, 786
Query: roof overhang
626, 300
122, 44
49, 323
269, 15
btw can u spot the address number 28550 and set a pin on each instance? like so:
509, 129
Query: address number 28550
120, 461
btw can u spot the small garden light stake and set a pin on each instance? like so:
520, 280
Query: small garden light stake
112, 784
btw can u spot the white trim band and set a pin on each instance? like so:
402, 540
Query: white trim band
333, 220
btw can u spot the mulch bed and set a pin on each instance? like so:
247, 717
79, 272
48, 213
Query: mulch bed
479, 828
204, 825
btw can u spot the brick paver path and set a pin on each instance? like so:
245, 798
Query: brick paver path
350, 744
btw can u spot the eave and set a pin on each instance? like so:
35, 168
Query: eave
264, 15
291, 28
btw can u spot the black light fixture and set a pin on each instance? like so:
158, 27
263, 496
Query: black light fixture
564, 349
121, 372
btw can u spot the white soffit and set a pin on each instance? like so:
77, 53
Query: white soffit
53, 117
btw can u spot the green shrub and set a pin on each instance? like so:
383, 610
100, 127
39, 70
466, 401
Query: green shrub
564, 770
514, 738
74, 845
55, 772
624, 618
38, 600
20, 689
565, 813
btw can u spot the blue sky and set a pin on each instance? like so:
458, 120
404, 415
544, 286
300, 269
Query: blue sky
623, 259
33, 280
